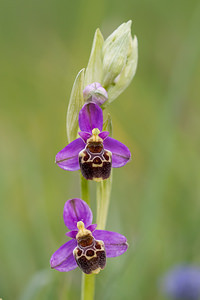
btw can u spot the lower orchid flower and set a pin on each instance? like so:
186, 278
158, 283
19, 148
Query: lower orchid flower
89, 247
94, 152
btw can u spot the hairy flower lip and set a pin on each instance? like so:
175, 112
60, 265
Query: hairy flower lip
76, 210
90, 117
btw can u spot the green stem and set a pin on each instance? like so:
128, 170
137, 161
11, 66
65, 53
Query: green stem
88, 287
88, 281
85, 194
103, 200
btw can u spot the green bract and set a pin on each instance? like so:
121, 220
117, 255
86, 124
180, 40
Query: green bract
75, 104
94, 70
107, 125
104, 188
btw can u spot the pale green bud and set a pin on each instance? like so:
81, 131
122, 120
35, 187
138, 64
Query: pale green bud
120, 56
76, 102
124, 78
115, 50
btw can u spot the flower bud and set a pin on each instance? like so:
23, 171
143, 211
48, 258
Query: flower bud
120, 55
115, 50
94, 92
122, 81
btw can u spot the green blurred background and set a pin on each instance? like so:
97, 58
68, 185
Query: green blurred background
155, 198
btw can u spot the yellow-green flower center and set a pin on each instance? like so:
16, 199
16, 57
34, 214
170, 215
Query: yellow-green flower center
82, 231
95, 136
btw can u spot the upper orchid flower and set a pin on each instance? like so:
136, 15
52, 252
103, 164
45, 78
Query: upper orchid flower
89, 247
94, 152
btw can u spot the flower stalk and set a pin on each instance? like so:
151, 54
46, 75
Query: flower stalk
88, 281
88, 287
111, 67
103, 200
85, 193
103, 191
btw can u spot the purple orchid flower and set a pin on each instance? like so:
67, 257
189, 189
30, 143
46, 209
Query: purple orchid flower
182, 282
94, 152
89, 247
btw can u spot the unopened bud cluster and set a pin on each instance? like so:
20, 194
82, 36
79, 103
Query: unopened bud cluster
111, 67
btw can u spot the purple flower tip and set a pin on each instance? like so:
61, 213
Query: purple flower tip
94, 92
182, 282
88, 247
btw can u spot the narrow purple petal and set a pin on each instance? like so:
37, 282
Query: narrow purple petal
67, 158
92, 227
63, 259
103, 135
84, 135
72, 234
76, 210
90, 117
115, 243
120, 153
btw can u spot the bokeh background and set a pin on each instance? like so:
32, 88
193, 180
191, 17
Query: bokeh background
155, 198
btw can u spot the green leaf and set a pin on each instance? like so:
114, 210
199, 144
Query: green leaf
75, 104
94, 70
104, 187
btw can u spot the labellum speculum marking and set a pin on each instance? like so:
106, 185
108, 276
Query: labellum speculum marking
95, 161
89, 254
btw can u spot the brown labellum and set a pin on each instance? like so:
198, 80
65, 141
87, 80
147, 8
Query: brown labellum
90, 254
95, 162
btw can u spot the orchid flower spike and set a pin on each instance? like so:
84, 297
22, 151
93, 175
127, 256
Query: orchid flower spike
89, 247
94, 152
